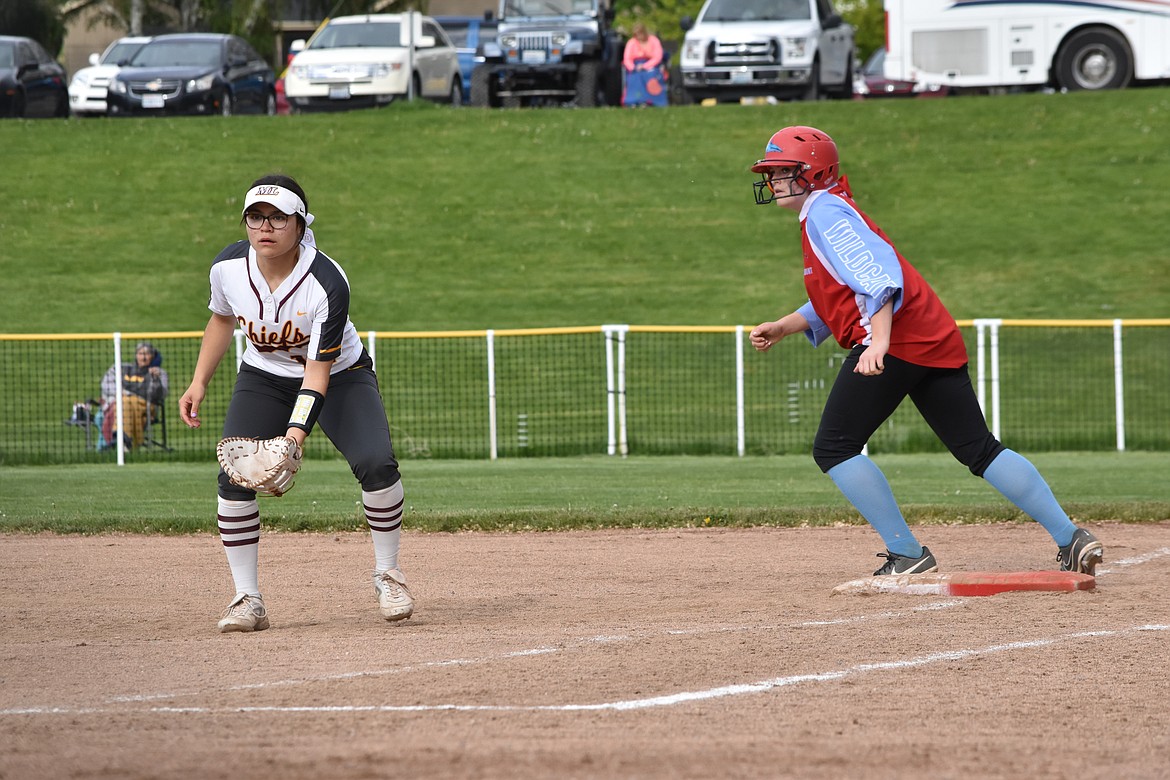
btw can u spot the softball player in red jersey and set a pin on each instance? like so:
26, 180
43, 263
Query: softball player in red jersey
292, 302
902, 342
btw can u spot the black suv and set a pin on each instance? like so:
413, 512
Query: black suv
194, 73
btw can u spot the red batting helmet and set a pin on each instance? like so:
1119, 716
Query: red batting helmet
811, 151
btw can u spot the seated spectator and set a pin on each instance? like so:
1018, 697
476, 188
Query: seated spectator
642, 63
144, 386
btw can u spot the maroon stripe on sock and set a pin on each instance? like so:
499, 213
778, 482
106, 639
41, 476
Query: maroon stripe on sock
240, 542
237, 531
369, 508
240, 518
394, 527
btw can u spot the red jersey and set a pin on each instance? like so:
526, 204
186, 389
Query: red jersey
851, 269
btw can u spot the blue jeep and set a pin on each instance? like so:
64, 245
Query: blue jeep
550, 52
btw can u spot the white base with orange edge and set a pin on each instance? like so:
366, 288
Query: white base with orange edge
969, 583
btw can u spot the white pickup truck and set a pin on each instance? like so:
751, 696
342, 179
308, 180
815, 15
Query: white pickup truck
787, 49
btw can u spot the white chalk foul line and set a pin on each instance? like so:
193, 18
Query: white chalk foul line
683, 697
1136, 559
593, 640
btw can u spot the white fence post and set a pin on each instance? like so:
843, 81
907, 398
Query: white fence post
615, 390
491, 367
118, 417
610, 393
1119, 385
623, 438
740, 437
995, 419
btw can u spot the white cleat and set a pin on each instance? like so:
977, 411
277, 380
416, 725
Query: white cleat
394, 599
245, 613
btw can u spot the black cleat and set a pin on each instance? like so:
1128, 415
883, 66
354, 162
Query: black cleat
1082, 554
900, 564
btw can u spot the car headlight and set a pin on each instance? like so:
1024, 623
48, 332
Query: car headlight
201, 84
509, 41
796, 48
692, 50
81, 80
117, 87
560, 39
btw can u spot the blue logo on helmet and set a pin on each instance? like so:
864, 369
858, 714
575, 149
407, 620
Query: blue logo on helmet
772, 147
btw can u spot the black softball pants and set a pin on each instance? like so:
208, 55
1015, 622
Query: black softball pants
858, 405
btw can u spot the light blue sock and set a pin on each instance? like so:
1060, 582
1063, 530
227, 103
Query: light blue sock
866, 487
1014, 475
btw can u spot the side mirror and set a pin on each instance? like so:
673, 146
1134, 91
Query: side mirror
297, 45
425, 42
686, 23
94, 59
833, 21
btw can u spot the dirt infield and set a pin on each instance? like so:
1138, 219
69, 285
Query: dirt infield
678, 653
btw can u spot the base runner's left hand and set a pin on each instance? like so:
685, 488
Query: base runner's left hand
264, 465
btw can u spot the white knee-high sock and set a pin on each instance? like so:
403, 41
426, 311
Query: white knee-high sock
239, 530
384, 516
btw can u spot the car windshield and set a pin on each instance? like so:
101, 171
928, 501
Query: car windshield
757, 11
345, 36
167, 53
121, 52
6, 55
548, 7
876, 64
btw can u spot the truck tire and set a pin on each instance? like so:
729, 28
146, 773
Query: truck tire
481, 88
813, 90
845, 91
1093, 59
586, 85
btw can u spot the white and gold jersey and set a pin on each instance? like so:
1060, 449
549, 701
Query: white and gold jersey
305, 318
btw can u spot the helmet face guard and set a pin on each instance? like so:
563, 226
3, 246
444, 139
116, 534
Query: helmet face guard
764, 192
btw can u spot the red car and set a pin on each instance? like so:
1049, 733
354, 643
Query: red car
871, 82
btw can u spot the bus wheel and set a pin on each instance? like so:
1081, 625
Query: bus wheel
1094, 59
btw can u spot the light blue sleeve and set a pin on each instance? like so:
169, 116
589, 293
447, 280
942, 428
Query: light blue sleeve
817, 331
857, 255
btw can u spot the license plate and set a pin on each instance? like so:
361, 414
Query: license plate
534, 57
339, 93
741, 77
153, 101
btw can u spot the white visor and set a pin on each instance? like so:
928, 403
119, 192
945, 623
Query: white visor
287, 201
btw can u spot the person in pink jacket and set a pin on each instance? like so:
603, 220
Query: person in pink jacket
642, 64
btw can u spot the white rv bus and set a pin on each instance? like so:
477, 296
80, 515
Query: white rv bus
972, 45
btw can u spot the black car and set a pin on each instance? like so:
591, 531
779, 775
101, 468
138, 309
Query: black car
31, 82
194, 73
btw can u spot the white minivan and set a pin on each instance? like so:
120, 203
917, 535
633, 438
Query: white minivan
782, 49
371, 60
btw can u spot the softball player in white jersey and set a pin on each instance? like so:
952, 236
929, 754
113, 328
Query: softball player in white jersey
292, 302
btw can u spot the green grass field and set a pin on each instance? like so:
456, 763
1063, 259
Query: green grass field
1015, 206
573, 493
1019, 206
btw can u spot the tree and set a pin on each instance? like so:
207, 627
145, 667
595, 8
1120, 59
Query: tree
868, 18
36, 19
